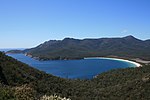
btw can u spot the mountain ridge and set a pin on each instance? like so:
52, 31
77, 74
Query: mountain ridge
70, 48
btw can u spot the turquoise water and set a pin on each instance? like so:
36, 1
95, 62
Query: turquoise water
72, 69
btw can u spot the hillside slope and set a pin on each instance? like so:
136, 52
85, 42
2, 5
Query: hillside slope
20, 81
70, 48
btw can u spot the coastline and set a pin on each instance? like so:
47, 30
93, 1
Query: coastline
141, 61
135, 63
119, 59
111, 58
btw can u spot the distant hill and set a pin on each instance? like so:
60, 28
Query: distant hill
70, 48
19, 81
14, 51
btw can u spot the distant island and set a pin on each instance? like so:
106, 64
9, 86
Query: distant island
70, 48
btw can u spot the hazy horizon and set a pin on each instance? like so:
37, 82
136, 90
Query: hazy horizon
28, 23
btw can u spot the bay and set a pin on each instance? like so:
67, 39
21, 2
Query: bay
74, 69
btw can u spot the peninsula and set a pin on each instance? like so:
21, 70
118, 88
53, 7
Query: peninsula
127, 47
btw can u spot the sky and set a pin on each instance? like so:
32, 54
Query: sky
27, 23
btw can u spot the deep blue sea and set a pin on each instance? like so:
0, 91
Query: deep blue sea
73, 69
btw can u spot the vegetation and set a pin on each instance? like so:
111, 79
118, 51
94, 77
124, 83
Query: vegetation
70, 48
19, 81
15, 51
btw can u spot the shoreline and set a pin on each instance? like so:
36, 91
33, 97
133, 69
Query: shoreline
119, 59
141, 61
133, 62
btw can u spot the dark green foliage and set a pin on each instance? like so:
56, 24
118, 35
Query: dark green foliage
6, 93
70, 48
2, 77
20, 81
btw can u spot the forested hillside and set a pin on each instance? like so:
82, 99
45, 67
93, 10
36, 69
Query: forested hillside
19, 81
69, 48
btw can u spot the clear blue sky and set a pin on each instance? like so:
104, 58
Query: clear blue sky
27, 23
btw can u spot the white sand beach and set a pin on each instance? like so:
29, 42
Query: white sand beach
135, 63
141, 61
